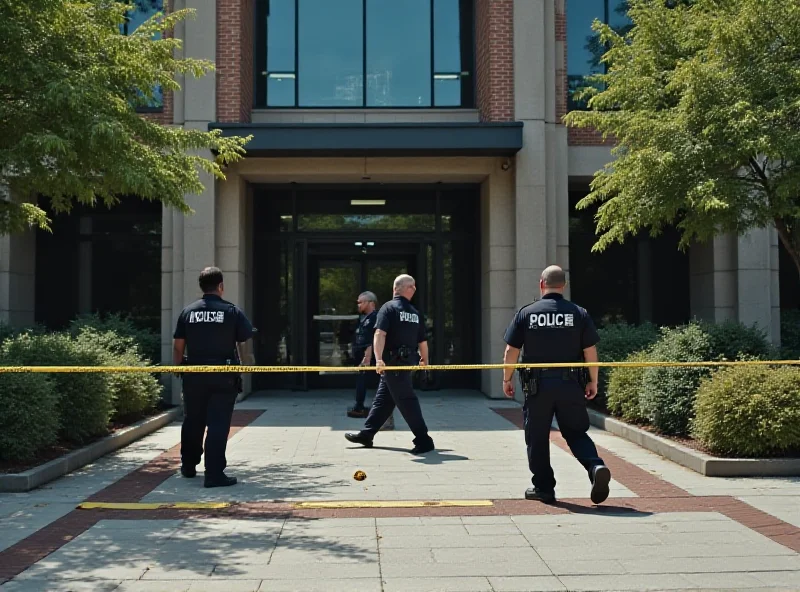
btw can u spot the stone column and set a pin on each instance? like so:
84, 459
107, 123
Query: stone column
17, 278
498, 266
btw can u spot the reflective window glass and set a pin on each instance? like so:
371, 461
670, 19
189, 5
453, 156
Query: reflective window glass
280, 53
398, 53
330, 53
143, 10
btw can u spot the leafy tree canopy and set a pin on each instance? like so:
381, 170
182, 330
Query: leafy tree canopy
703, 98
70, 86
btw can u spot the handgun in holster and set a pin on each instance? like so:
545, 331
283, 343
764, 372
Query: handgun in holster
529, 377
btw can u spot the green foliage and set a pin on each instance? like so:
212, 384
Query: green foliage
617, 341
28, 415
749, 411
133, 393
702, 99
732, 340
128, 334
667, 396
790, 334
85, 401
71, 84
625, 388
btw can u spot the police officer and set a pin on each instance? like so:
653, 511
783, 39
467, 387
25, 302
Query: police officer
212, 329
362, 349
400, 331
555, 330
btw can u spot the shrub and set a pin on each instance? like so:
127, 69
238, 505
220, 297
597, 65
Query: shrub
732, 340
133, 393
28, 415
790, 334
84, 399
749, 411
625, 388
667, 398
617, 342
125, 328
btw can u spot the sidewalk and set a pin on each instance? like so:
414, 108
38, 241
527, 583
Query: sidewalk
663, 527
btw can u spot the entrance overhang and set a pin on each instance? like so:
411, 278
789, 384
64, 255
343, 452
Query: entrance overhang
377, 139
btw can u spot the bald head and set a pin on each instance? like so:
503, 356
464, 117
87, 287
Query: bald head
404, 285
553, 278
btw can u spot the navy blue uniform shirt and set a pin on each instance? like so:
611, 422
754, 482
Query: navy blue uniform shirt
552, 329
211, 327
402, 323
365, 331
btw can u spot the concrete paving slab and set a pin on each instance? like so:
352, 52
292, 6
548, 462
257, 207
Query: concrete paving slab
40, 585
437, 584
289, 571
530, 584
617, 583
730, 581
475, 569
330, 585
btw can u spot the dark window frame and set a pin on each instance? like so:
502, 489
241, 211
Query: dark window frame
467, 11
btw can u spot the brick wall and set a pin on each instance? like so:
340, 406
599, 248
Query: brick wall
494, 68
234, 63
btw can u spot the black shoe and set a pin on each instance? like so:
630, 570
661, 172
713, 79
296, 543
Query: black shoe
423, 448
220, 481
601, 476
188, 471
359, 439
534, 494
357, 412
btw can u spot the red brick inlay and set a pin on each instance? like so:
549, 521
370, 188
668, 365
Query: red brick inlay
131, 488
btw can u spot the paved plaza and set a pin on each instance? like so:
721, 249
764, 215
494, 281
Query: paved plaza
663, 527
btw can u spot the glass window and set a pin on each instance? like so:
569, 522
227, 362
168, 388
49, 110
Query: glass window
330, 53
143, 10
398, 72
281, 74
584, 50
318, 53
343, 222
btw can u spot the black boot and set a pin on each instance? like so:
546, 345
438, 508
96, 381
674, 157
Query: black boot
540, 496
221, 480
365, 441
601, 476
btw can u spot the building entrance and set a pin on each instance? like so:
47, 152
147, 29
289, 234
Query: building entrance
315, 249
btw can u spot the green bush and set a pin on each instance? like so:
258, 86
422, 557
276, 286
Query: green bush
133, 393
749, 411
85, 401
625, 388
667, 398
28, 415
732, 340
790, 334
617, 342
126, 330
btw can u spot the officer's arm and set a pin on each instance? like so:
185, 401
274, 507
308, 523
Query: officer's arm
378, 342
423, 353
590, 356
178, 347
510, 356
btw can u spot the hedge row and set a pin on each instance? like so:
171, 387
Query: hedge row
39, 410
743, 410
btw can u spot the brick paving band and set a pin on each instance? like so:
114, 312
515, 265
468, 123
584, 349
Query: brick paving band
655, 496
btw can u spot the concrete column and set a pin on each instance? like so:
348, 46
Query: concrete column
541, 209
755, 288
712, 272
17, 278
498, 266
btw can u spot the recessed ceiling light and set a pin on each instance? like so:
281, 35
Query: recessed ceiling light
367, 202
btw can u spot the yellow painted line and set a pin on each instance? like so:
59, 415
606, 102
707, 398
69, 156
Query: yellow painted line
153, 506
393, 504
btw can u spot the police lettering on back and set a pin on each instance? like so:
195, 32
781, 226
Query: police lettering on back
551, 320
207, 316
409, 317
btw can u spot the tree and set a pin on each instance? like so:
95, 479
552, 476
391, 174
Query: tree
703, 99
70, 86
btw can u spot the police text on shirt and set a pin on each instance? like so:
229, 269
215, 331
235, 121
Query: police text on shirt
409, 317
207, 316
550, 320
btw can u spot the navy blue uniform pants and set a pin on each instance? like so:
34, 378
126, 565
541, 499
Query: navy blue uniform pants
395, 390
361, 379
565, 399
206, 405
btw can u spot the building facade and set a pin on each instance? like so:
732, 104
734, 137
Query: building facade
421, 136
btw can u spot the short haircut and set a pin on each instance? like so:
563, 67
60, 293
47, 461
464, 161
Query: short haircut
369, 297
210, 279
554, 277
403, 281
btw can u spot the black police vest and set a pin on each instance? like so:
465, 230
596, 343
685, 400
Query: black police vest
210, 325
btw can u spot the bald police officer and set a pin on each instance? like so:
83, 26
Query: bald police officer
211, 328
399, 329
555, 330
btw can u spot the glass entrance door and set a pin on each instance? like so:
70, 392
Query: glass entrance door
337, 276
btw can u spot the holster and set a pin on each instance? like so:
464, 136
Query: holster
529, 378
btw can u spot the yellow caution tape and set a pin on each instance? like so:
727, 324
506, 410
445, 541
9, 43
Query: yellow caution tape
392, 504
348, 369
153, 506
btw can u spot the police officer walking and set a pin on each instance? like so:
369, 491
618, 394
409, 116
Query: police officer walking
362, 349
555, 330
399, 341
212, 329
